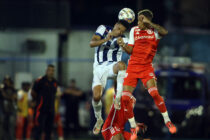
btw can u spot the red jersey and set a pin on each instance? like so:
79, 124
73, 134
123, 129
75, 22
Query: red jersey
144, 43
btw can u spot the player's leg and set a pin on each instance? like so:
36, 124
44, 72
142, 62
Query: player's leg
97, 107
120, 69
153, 91
49, 123
129, 85
38, 125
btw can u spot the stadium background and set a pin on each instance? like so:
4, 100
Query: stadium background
34, 33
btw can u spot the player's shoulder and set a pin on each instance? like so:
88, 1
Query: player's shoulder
134, 28
104, 27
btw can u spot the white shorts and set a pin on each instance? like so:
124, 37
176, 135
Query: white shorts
101, 73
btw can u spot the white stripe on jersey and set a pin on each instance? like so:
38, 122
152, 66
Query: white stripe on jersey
110, 50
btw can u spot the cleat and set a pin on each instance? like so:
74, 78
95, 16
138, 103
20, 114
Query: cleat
171, 127
97, 127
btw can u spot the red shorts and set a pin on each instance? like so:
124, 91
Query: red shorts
144, 72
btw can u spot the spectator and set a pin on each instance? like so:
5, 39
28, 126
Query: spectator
72, 96
22, 115
9, 95
58, 120
44, 93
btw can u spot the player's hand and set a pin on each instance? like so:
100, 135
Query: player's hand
146, 21
109, 36
120, 41
142, 127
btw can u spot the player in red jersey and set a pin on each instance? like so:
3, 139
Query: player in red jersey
142, 46
116, 126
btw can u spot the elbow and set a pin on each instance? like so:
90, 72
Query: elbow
165, 33
91, 45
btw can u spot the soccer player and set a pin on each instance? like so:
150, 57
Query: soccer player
107, 63
44, 94
142, 46
117, 126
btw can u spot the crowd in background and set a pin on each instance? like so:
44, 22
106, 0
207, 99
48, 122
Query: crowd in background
17, 111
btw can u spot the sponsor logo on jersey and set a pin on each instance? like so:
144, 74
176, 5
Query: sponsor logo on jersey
144, 37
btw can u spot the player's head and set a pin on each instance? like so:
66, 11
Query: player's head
50, 71
120, 27
144, 13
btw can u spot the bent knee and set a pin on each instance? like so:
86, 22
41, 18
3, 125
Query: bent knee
97, 93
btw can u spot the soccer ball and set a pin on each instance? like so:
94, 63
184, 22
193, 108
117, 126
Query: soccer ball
126, 14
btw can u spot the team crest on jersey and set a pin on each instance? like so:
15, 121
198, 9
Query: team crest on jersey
149, 31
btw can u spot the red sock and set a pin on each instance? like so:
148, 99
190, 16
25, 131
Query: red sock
157, 99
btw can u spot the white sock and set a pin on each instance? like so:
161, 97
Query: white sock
120, 79
165, 117
97, 107
132, 122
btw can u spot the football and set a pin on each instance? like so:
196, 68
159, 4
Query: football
126, 14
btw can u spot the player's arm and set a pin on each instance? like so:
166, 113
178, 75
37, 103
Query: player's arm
128, 49
128, 46
97, 40
161, 30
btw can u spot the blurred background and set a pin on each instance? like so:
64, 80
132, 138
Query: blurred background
35, 33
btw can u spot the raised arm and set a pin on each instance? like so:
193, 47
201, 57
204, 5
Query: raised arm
97, 40
161, 30
128, 49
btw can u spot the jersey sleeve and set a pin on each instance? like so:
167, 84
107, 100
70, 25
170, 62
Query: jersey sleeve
100, 30
131, 38
157, 35
125, 39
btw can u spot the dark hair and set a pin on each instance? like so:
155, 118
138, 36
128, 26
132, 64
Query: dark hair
51, 65
147, 13
124, 23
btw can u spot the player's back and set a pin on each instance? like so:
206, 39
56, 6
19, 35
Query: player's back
144, 45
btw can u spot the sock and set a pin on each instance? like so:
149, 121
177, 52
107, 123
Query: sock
165, 117
159, 103
132, 122
120, 79
157, 99
97, 107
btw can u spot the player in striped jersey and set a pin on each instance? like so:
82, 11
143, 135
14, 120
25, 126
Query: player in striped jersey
107, 63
